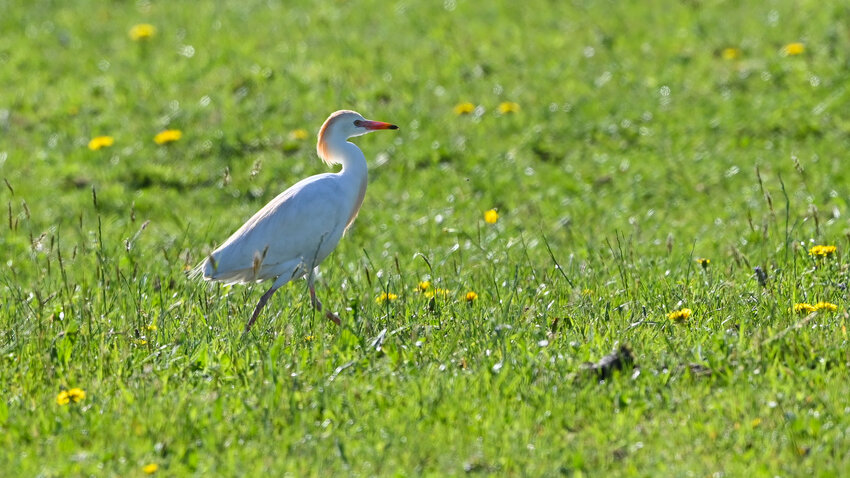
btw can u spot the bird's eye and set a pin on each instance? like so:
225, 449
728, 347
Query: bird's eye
358, 123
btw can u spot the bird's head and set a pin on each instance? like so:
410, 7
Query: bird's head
345, 124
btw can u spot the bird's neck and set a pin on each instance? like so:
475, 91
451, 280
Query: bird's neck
348, 155
354, 173
354, 161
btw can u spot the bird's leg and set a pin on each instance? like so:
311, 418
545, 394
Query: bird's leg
262, 303
318, 304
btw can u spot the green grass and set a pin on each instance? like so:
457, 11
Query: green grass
637, 149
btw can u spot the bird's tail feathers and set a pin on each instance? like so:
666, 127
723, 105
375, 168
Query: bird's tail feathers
197, 271
205, 269
208, 270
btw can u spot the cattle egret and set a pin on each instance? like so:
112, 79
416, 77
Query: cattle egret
289, 237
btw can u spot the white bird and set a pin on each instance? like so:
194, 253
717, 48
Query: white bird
291, 235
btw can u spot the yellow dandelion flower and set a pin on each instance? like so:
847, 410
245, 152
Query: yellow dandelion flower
756, 422
386, 296
464, 108
491, 216
140, 341
167, 136
704, 262
142, 31
63, 398
679, 315
309, 338
508, 107
804, 308
424, 285
151, 327
471, 296
826, 305
822, 251
150, 469
299, 134
76, 394
437, 292
73, 395
731, 53
793, 49
587, 292
100, 142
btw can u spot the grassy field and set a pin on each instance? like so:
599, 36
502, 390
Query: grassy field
618, 144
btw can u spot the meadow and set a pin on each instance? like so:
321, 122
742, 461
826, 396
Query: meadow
570, 180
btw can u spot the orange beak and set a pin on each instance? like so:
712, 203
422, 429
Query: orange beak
374, 125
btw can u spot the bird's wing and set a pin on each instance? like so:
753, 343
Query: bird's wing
302, 224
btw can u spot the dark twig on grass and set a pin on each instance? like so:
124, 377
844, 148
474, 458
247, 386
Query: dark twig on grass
616, 360
699, 370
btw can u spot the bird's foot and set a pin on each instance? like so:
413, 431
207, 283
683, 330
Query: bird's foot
333, 317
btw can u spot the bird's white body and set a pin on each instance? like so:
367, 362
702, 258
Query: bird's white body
290, 236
